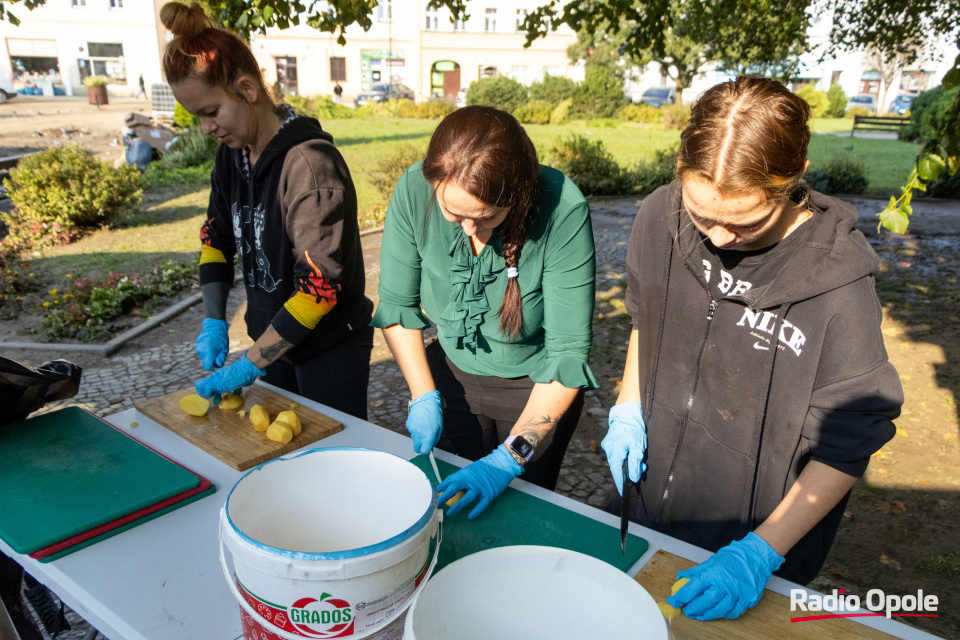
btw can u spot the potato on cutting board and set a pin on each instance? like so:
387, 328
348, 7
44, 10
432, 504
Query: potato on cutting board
260, 417
194, 405
291, 419
280, 432
231, 401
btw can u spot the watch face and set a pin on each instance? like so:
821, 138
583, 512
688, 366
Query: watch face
521, 447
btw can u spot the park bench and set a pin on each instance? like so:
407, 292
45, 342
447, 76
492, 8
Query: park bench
879, 123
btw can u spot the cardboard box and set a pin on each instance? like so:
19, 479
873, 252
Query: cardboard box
156, 135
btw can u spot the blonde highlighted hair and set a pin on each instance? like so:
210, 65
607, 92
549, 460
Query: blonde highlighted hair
746, 135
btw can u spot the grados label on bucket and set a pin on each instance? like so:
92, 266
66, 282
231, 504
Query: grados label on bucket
327, 616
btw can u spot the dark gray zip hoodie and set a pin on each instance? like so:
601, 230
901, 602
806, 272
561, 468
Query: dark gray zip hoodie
732, 421
292, 220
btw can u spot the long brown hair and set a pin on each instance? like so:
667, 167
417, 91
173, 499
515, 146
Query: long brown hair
486, 152
748, 134
216, 56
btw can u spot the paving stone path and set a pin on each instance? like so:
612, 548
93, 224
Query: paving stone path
130, 377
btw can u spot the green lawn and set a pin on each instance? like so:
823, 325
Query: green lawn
170, 219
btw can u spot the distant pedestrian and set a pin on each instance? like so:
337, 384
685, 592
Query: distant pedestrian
143, 88
338, 93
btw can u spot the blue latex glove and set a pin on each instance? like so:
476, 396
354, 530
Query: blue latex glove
213, 343
425, 421
485, 479
240, 374
729, 582
626, 439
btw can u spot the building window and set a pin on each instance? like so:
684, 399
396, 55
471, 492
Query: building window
521, 16
385, 11
76, 4
490, 23
116, 4
458, 25
106, 59
338, 69
433, 19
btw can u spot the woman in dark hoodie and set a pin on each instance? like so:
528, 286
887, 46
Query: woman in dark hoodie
756, 385
282, 200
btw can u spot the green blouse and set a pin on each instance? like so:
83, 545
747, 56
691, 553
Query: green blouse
428, 263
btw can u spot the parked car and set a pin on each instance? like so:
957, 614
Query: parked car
658, 96
383, 92
901, 104
862, 101
6, 91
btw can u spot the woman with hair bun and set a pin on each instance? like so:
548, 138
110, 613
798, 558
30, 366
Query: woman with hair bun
283, 202
497, 251
756, 384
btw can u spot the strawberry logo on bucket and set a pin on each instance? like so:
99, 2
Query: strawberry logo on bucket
327, 617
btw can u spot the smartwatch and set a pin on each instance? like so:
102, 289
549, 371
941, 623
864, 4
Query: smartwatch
520, 447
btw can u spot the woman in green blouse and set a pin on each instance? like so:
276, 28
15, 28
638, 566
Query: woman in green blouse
497, 251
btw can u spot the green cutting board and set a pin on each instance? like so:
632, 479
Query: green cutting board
517, 518
66, 472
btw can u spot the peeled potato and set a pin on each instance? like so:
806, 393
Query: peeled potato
280, 432
231, 401
455, 499
194, 405
291, 419
678, 585
669, 612
260, 417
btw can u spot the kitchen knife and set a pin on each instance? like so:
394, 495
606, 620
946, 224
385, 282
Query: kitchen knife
625, 507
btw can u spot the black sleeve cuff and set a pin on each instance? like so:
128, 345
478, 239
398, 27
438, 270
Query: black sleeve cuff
855, 468
288, 327
216, 272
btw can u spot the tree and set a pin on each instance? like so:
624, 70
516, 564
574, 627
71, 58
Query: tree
888, 65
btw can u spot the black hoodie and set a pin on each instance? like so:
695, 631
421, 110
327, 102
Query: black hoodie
292, 220
732, 422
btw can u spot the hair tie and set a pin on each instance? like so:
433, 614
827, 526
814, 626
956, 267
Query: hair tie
512, 272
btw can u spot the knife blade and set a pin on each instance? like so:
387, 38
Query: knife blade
625, 507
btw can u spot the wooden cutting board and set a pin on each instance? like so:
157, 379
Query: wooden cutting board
231, 438
769, 619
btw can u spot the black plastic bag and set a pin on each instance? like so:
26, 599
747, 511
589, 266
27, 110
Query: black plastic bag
25, 389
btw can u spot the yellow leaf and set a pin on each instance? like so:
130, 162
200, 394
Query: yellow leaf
902, 433
905, 377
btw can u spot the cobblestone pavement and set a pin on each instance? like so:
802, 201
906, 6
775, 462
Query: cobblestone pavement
128, 378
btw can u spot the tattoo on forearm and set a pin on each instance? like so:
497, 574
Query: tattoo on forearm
275, 350
537, 428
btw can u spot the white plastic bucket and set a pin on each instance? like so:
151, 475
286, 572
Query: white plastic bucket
329, 543
534, 593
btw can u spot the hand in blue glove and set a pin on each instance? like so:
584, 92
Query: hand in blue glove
729, 582
626, 439
240, 374
213, 343
486, 478
425, 421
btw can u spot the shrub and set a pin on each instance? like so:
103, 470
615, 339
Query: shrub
590, 166
388, 169
96, 81
675, 116
649, 176
946, 186
63, 191
159, 174
927, 113
836, 102
502, 93
320, 107
561, 112
640, 113
192, 148
839, 174
859, 111
534, 112
553, 89
600, 94
392, 108
816, 99
431, 110
183, 118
